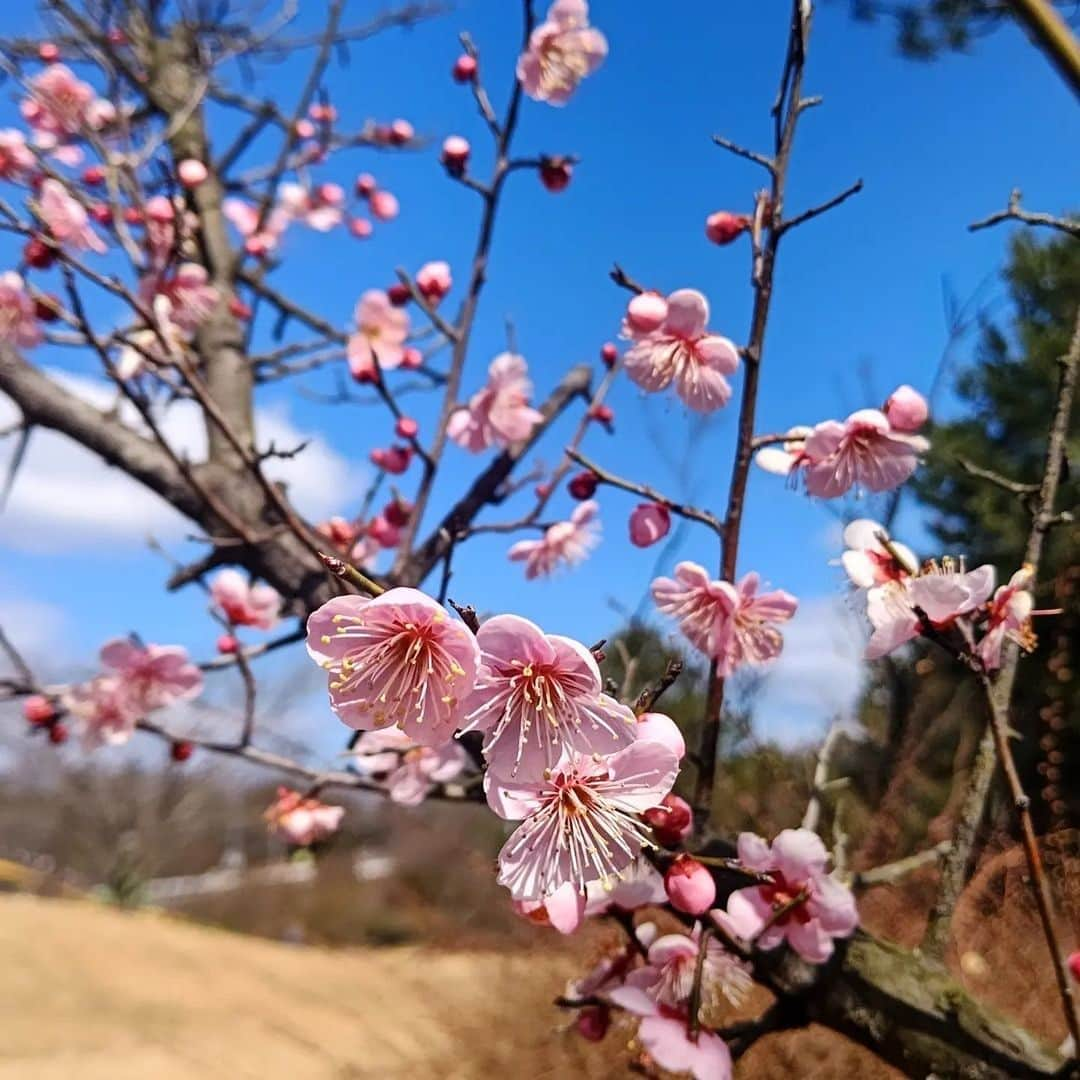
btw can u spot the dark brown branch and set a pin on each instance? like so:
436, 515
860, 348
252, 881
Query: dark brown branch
823, 208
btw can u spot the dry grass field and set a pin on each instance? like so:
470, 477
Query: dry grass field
100, 994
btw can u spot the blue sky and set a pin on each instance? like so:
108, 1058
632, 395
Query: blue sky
858, 305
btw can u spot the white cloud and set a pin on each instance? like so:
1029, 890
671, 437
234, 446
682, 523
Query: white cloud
65, 494
818, 676
34, 626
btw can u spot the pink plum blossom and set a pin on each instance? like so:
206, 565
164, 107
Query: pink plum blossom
499, 414
864, 451
664, 1032
381, 330
154, 676
397, 659
896, 609
562, 50
815, 907
320, 209
580, 821
384, 206
61, 107
302, 822
66, 218
16, 159
18, 319
189, 297
260, 238
872, 558
539, 695
1009, 619
683, 352
245, 604
104, 712
906, 409
650, 522
668, 974
409, 772
732, 624
564, 543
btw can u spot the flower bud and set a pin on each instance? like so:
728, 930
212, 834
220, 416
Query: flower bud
48, 52
434, 281
649, 523
100, 213
465, 67
542, 491
394, 460
38, 254
385, 534
238, 309
398, 294
93, 175
398, 512
690, 886
602, 414
583, 485
365, 185
192, 172
384, 206
401, 132
593, 1022
906, 409
1074, 965
58, 734
38, 709
360, 227
181, 750
609, 354
555, 173
133, 215
304, 129
406, 427
227, 644
646, 312
412, 358
116, 36
455, 154
723, 227
322, 113
47, 307
671, 822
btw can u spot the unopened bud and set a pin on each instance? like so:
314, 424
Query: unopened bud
690, 886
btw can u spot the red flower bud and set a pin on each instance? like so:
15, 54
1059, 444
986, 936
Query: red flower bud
555, 173
365, 185
100, 213
227, 644
690, 886
38, 709
38, 254
181, 750
465, 67
398, 294
133, 215
360, 227
455, 154
93, 175
58, 734
583, 485
1074, 965
542, 491
397, 512
593, 1022
49, 52
116, 36
671, 822
47, 307
401, 132
609, 354
603, 414
238, 309
723, 227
